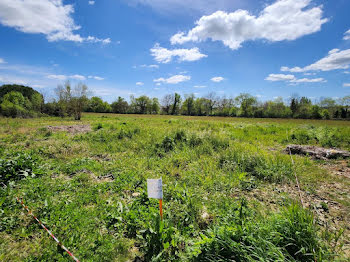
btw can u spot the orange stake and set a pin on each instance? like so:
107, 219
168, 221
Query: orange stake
161, 208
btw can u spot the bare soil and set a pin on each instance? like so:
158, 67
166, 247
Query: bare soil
75, 129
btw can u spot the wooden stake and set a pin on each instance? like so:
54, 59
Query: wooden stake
161, 208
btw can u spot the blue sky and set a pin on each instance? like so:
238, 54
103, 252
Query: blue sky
155, 47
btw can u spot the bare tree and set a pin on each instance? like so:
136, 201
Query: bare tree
72, 102
211, 101
78, 100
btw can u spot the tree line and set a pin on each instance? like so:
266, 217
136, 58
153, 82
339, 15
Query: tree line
72, 101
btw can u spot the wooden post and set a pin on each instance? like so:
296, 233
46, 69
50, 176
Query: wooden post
161, 208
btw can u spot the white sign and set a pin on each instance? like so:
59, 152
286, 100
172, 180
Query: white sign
155, 188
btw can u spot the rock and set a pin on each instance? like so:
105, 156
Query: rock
317, 152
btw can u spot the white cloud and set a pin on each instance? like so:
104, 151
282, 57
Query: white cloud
64, 77
347, 35
292, 79
200, 86
308, 80
158, 84
93, 39
336, 59
163, 55
96, 78
217, 79
346, 72
176, 7
150, 66
49, 17
282, 20
139, 83
91, 2
78, 77
346, 85
12, 80
309, 74
173, 79
37, 86
2, 61
279, 77
57, 77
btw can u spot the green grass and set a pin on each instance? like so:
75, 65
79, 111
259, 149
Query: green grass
90, 189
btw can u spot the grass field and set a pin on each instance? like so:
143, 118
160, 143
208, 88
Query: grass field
229, 190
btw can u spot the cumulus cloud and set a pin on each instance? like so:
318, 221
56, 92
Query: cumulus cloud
91, 2
346, 85
347, 35
163, 55
282, 20
217, 79
49, 17
2, 61
336, 59
139, 83
173, 79
292, 79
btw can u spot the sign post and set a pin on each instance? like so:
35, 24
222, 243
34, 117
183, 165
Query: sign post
155, 190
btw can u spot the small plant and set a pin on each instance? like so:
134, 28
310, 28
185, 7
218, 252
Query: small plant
17, 167
98, 127
325, 206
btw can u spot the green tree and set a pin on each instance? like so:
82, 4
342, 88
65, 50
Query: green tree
141, 104
210, 102
176, 104
96, 104
154, 106
37, 101
120, 106
14, 105
247, 103
72, 101
166, 103
188, 106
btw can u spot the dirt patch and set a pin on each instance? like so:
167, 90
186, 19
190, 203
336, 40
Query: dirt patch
71, 129
106, 178
317, 152
339, 168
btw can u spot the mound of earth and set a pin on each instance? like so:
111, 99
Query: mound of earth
71, 129
317, 152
